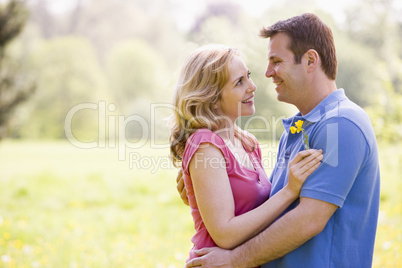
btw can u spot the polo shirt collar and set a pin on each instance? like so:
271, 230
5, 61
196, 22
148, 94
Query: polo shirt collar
317, 113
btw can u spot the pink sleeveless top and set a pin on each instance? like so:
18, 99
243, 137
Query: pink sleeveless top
250, 187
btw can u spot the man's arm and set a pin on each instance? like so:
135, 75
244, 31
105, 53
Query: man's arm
288, 233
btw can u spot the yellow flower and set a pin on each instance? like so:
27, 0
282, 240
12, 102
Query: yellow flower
298, 128
18, 244
299, 125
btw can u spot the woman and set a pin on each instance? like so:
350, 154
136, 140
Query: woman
226, 185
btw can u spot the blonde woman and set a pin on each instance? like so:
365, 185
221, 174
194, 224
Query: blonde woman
226, 185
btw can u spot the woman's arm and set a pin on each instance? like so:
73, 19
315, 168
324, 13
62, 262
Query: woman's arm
215, 199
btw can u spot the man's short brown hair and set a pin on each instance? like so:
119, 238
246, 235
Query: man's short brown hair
307, 31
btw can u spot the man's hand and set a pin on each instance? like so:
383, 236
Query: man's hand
211, 257
180, 187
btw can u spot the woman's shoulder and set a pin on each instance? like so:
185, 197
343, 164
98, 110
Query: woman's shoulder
205, 136
207, 141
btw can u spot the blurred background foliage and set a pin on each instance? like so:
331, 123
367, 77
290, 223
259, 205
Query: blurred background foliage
129, 53
116, 62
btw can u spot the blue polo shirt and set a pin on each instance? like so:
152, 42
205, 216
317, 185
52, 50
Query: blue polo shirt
348, 177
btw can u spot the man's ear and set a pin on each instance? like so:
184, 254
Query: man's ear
312, 58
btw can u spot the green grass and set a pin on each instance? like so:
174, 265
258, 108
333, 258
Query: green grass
68, 207
62, 206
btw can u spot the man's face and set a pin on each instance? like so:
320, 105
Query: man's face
288, 77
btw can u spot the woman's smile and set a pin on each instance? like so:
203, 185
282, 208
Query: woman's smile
249, 101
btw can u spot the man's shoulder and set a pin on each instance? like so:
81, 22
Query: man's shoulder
350, 111
346, 109
352, 119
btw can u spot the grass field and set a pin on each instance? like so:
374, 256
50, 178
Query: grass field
62, 206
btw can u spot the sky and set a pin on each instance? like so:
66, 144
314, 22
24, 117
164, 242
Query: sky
254, 7
193, 8
187, 10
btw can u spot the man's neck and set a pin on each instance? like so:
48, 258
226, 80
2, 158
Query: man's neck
317, 95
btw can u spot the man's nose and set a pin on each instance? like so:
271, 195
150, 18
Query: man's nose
269, 72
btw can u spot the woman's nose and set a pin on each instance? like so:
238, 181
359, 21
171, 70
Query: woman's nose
252, 86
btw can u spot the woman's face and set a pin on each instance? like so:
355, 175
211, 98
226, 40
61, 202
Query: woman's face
238, 93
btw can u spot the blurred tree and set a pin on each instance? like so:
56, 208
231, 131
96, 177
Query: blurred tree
377, 25
41, 16
111, 26
68, 75
386, 113
225, 9
15, 85
106, 23
356, 73
135, 70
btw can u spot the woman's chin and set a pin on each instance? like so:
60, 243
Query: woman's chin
249, 113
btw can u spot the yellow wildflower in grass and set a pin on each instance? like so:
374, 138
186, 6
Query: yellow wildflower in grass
6, 235
18, 244
298, 128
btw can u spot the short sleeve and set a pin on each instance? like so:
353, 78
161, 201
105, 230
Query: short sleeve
202, 137
345, 150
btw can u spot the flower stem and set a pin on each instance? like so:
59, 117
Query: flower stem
306, 146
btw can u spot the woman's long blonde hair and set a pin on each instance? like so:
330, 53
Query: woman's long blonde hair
199, 88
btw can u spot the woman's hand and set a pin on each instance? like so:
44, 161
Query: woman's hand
301, 167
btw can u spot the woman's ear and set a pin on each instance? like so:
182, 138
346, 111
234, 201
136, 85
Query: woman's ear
215, 106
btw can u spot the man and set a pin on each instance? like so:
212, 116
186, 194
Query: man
334, 222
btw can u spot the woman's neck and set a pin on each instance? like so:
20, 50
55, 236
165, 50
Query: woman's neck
227, 134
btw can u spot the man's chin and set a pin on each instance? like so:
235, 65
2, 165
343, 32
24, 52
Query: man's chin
281, 98
284, 99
